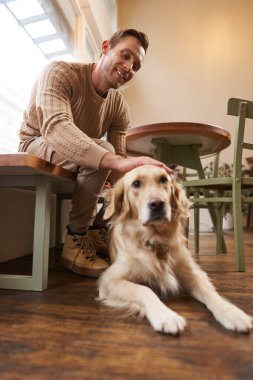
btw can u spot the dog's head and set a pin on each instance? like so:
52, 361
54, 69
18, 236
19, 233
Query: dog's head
148, 194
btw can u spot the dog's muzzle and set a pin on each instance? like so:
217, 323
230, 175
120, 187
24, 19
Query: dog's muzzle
157, 210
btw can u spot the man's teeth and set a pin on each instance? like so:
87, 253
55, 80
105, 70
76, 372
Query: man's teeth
121, 75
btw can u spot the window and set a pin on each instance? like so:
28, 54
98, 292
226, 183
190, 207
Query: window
29, 39
34, 32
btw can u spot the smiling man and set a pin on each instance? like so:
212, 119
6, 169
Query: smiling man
72, 107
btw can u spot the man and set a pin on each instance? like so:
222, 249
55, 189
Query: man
72, 106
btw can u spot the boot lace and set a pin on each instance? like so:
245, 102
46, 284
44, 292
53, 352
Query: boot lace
86, 248
102, 234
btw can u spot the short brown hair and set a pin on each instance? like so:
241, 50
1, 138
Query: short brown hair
122, 33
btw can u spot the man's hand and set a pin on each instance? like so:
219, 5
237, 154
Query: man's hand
123, 165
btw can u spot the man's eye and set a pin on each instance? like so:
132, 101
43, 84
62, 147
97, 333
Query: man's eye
163, 179
136, 184
125, 55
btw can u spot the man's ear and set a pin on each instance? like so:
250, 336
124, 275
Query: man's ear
105, 46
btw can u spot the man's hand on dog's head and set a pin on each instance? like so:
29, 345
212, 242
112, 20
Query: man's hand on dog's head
123, 165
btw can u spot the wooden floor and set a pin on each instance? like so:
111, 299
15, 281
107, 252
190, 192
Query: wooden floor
64, 333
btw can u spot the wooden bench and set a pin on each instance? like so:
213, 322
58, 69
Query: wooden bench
22, 170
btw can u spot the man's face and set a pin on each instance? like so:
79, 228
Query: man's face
121, 62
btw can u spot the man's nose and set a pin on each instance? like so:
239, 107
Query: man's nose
128, 65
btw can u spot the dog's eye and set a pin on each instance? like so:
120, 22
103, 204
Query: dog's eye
163, 179
136, 184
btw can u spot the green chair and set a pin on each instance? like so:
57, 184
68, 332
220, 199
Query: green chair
243, 109
195, 195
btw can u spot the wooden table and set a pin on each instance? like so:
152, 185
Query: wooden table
181, 143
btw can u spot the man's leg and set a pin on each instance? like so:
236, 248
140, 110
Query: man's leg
79, 252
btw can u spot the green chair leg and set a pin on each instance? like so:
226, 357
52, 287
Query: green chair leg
196, 225
219, 233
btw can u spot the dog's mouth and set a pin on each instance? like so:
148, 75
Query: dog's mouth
158, 217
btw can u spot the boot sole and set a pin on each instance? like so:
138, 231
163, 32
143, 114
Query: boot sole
83, 271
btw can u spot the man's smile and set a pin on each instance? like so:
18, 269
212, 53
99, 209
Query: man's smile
122, 76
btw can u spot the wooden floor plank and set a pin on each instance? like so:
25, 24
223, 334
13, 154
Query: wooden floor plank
65, 333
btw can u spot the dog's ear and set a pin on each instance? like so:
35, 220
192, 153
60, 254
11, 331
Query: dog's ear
114, 199
179, 202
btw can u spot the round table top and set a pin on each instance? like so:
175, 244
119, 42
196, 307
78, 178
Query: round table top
211, 138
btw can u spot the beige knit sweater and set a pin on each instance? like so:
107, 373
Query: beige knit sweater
65, 109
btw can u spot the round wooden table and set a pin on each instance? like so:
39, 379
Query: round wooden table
209, 138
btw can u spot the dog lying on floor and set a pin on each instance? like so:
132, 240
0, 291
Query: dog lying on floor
148, 249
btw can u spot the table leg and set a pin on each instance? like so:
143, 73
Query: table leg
41, 235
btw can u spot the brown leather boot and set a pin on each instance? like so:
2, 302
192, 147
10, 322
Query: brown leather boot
99, 239
79, 256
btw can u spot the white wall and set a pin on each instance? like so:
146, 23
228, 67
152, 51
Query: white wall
200, 54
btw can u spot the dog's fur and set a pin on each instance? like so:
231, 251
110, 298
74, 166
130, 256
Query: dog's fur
148, 249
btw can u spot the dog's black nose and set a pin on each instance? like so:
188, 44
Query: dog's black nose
156, 205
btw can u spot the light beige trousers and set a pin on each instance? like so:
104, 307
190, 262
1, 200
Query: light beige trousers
89, 184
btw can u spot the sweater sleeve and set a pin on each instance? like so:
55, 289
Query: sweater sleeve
53, 105
117, 133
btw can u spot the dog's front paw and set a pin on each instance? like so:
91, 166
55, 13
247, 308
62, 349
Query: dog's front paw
233, 318
167, 321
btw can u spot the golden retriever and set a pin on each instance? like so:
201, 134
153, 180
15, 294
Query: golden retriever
148, 249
